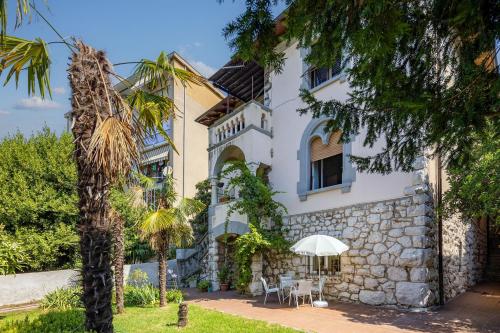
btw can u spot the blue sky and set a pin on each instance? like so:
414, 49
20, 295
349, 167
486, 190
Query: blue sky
127, 31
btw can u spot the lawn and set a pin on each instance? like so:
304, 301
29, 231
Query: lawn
140, 320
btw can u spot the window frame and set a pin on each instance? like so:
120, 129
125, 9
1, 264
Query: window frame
315, 129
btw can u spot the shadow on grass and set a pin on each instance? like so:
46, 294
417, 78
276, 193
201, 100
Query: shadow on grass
54, 321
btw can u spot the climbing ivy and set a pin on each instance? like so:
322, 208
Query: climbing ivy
265, 219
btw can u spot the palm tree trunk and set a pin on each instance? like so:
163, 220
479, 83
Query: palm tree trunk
119, 259
89, 89
162, 276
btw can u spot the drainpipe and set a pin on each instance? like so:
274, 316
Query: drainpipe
184, 138
440, 230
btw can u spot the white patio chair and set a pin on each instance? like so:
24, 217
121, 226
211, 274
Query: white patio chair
319, 289
286, 283
303, 290
269, 290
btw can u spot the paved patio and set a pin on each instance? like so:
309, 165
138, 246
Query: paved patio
475, 311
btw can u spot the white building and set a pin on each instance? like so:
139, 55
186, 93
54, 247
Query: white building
388, 221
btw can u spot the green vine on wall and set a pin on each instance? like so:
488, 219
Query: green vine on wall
257, 203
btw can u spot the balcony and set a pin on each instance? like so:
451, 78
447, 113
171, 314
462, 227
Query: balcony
244, 134
251, 115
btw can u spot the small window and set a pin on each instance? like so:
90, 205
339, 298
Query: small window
319, 75
329, 265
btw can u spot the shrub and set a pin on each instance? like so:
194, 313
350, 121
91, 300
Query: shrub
146, 295
63, 299
174, 296
54, 321
54, 248
138, 278
203, 285
12, 256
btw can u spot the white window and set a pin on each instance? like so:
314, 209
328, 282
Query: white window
319, 75
329, 265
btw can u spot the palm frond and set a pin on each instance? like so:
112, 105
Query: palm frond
136, 197
143, 180
22, 9
153, 111
155, 74
112, 147
161, 220
189, 207
20, 54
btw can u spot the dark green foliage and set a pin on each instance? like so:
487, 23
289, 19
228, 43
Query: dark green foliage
204, 195
13, 257
203, 285
413, 74
54, 248
476, 190
63, 299
55, 321
422, 74
37, 181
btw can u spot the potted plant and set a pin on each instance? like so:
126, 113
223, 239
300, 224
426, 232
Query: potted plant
203, 285
223, 276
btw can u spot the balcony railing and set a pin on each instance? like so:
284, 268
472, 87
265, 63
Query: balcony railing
247, 116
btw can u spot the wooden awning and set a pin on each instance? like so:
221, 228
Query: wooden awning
244, 80
223, 107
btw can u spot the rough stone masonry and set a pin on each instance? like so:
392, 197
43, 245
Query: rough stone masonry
392, 258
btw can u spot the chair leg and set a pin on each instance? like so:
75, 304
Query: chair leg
311, 299
279, 299
290, 299
297, 301
265, 299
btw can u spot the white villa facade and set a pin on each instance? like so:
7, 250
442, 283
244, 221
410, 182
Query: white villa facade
388, 221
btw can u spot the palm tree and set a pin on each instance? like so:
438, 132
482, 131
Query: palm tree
127, 204
107, 134
169, 225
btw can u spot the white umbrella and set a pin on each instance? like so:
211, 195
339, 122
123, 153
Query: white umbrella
320, 246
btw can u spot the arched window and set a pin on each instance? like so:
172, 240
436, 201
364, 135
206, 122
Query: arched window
324, 162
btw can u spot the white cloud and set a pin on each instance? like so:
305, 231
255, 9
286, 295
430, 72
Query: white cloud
36, 102
204, 69
3, 112
197, 44
59, 90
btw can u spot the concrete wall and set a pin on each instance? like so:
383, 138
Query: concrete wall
288, 127
29, 287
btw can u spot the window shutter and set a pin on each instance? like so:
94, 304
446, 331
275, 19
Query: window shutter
320, 151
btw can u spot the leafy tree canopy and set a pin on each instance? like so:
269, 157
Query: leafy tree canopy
37, 181
422, 73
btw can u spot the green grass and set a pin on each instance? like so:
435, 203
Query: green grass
137, 320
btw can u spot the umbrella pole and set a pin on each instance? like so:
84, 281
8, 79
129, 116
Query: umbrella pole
319, 281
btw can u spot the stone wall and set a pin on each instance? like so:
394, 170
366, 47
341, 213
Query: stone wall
464, 254
391, 260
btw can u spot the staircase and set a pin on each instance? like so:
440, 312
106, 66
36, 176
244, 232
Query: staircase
194, 264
